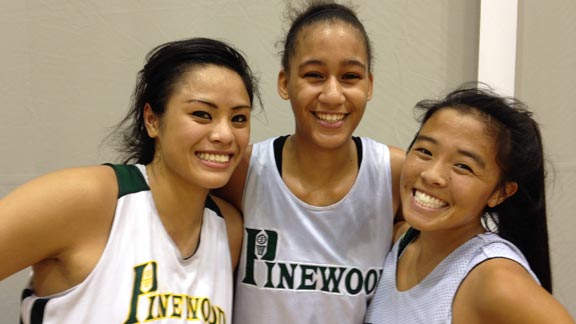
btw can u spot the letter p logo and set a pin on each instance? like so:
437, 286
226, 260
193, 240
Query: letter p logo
260, 245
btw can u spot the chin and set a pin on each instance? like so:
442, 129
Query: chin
419, 222
218, 182
215, 184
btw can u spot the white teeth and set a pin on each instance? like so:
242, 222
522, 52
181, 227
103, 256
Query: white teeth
331, 118
220, 158
427, 200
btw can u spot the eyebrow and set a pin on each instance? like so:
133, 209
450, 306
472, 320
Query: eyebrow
346, 62
467, 153
213, 105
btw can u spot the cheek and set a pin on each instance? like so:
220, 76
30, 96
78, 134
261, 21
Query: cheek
474, 198
360, 95
410, 171
304, 91
189, 134
298, 109
406, 184
402, 179
242, 136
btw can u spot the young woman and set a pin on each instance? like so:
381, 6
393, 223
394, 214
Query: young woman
319, 204
142, 242
476, 157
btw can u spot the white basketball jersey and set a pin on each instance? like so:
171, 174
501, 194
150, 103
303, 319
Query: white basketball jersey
430, 302
141, 276
310, 264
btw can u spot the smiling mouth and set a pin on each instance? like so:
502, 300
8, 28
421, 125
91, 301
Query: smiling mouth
210, 157
428, 201
330, 118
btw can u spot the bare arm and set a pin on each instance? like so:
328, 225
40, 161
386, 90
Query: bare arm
502, 291
57, 223
397, 157
234, 228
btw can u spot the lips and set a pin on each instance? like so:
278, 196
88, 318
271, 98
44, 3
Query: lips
211, 157
428, 201
330, 118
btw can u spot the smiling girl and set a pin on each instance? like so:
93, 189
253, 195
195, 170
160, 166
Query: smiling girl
477, 156
142, 242
318, 204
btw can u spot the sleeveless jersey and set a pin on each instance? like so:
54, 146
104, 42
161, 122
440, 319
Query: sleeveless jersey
141, 275
310, 264
431, 300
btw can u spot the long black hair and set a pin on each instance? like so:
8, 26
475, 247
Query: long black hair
521, 218
165, 66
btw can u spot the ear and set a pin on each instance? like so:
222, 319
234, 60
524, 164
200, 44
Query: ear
502, 194
151, 121
282, 84
371, 86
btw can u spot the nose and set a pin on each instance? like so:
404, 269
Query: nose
435, 175
332, 92
222, 132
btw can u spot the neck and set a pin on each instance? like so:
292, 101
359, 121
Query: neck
436, 244
180, 206
319, 177
427, 251
319, 161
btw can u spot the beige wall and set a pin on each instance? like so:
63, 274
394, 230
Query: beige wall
546, 80
68, 68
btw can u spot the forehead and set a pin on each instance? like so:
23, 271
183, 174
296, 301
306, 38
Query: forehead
207, 75
461, 130
212, 83
453, 119
324, 35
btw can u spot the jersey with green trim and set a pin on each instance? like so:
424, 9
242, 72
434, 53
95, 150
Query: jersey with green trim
312, 264
141, 275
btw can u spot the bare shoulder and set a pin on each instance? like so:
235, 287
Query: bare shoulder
400, 229
500, 290
233, 191
81, 189
50, 215
234, 227
229, 212
397, 157
63, 193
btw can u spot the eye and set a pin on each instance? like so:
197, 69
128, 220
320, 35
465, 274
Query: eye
422, 151
312, 75
351, 76
201, 114
240, 118
464, 167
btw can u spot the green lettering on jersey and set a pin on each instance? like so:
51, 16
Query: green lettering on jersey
260, 245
